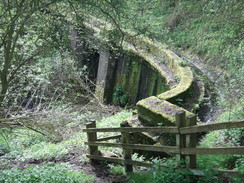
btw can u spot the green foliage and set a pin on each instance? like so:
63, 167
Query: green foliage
17, 140
116, 169
48, 173
50, 79
210, 176
120, 97
179, 101
41, 149
25, 145
160, 174
4, 143
114, 120
184, 63
209, 29
223, 138
141, 178
27, 33
167, 175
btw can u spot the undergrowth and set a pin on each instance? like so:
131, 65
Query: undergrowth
48, 173
159, 174
25, 145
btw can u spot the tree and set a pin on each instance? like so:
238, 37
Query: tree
30, 28
24, 36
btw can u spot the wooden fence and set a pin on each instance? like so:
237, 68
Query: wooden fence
186, 141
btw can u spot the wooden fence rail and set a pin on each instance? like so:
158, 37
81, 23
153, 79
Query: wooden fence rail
186, 141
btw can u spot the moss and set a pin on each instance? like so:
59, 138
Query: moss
186, 80
148, 57
134, 122
148, 49
173, 62
152, 83
134, 79
154, 111
129, 73
161, 86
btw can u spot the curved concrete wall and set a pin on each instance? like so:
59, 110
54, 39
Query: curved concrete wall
156, 110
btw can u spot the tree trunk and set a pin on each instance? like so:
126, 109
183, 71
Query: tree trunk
4, 89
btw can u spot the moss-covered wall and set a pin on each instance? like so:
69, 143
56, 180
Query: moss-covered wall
153, 110
135, 76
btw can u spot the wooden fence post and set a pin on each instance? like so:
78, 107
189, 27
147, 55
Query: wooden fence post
91, 137
125, 138
180, 139
191, 141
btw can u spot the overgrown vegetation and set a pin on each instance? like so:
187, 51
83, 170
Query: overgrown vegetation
159, 174
47, 75
224, 138
48, 173
26, 146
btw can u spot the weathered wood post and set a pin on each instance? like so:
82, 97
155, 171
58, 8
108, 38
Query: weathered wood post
92, 137
125, 137
191, 141
180, 139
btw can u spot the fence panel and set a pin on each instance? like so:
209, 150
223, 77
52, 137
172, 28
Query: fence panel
186, 140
